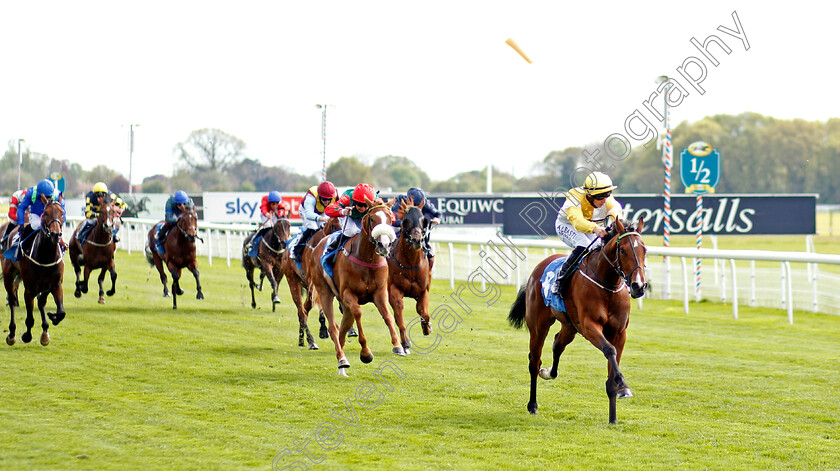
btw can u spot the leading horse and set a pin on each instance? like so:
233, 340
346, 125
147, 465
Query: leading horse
597, 305
360, 277
40, 267
97, 251
179, 253
409, 270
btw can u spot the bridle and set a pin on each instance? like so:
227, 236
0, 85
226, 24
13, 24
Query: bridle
280, 239
380, 249
194, 227
45, 225
616, 266
107, 225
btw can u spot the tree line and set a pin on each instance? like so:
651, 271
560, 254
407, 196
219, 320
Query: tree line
759, 154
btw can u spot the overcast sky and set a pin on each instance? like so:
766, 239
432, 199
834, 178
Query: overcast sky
432, 81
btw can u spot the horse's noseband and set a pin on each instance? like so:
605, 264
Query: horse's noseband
617, 265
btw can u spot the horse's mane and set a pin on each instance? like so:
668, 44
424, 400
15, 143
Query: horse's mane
629, 226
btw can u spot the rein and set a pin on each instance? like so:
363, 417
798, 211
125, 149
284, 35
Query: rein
269, 247
37, 242
616, 268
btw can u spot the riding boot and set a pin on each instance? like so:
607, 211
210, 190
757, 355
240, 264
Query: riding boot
162, 234
429, 250
566, 269
8, 231
334, 247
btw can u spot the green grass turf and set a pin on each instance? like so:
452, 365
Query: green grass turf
133, 384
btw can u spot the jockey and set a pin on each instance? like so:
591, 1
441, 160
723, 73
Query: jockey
13, 205
35, 200
93, 201
312, 208
350, 207
176, 205
271, 210
581, 219
432, 215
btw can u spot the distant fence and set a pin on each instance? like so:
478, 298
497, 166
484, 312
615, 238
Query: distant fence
758, 278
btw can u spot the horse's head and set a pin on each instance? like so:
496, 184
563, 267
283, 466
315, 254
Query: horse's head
188, 224
52, 221
413, 226
106, 217
281, 230
376, 224
332, 225
629, 260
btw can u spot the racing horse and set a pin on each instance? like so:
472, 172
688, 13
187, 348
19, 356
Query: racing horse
597, 305
409, 270
97, 251
271, 249
306, 266
360, 277
40, 267
179, 253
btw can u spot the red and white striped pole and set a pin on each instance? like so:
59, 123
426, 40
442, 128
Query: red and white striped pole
667, 157
699, 262
324, 139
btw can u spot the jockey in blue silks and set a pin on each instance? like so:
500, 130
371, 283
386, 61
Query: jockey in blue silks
35, 200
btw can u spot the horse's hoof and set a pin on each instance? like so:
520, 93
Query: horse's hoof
276, 299
77, 293
101, 300
324, 333
545, 373
300, 343
179, 292
313, 346
398, 351
343, 366
366, 358
427, 328
84, 289
10, 340
200, 295
56, 318
166, 294
111, 293
352, 332
45, 339
26, 337
624, 392
532, 408
253, 305
407, 347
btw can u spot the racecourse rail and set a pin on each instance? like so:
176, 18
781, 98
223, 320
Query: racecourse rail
765, 284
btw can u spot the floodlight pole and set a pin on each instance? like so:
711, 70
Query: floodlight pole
20, 162
130, 155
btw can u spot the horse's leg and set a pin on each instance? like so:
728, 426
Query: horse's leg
84, 286
593, 331
539, 326
303, 312
163, 280
307, 307
45, 326
563, 338
11, 290
622, 389
100, 280
353, 313
324, 332
176, 288
249, 274
262, 278
423, 312
395, 298
78, 270
194, 269
380, 299
29, 302
58, 297
326, 301
273, 282
278, 277
113, 270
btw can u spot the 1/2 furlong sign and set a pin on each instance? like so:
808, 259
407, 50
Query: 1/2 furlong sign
721, 214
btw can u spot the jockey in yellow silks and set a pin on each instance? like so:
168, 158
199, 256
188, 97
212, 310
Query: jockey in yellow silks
583, 216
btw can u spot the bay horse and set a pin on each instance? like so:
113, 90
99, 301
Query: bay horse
361, 277
179, 253
41, 269
97, 252
597, 307
409, 270
271, 249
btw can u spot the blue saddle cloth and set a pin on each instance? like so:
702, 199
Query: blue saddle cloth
327, 259
12, 253
291, 244
158, 245
254, 251
547, 282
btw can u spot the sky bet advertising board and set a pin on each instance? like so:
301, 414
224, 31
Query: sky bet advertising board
243, 207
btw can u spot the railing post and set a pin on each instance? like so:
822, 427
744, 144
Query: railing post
734, 290
752, 283
685, 284
210, 247
789, 289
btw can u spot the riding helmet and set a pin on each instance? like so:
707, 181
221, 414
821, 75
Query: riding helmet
416, 195
327, 190
100, 187
181, 197
362, 191
597, 183
274, 197
45, 187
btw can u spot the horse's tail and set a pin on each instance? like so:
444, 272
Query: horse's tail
517, 310
149, 256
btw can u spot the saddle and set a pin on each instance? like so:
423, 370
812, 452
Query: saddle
328, 258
